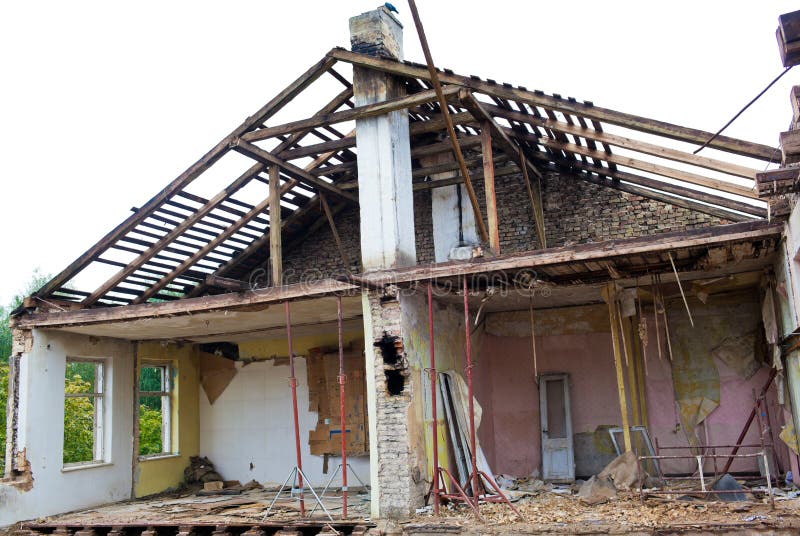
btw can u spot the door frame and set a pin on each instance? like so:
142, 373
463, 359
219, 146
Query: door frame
543, 425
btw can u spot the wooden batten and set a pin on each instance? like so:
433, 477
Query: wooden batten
275, 251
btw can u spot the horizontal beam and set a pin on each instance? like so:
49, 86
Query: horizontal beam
625, 143
674, 189
415, 128
184, 306
703, 237
265, 157
359, 112
643, 124
642, 165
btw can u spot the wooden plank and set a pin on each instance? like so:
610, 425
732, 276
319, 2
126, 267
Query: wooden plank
628, 143
642, 165
335, 232
513, 150
703, 237
359, 112
265, 157
790, 147
778, 182
654, 189
643, 124
415, 129
260, 242
102, 315
488, 181
275, 252
433, 78
189, 261
610, 296
212, 156
172, 235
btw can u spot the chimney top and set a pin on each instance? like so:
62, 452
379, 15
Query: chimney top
377, 33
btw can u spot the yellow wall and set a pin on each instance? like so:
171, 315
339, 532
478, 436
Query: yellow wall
156, 475
300, 345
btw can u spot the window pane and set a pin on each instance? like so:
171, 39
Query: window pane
556, 409
151, 379
79, 428
150, 425
81, 377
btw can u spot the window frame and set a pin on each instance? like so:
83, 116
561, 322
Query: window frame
101, 413
166, 407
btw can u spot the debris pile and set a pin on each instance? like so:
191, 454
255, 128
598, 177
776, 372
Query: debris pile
200, 471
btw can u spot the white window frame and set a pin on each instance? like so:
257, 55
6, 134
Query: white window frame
166, 406
100, 412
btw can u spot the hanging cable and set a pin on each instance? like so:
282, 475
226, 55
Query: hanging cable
735, 117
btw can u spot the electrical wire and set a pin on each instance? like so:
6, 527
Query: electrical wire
735, 117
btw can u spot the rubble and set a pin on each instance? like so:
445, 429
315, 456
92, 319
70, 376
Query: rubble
624, 471
597, 489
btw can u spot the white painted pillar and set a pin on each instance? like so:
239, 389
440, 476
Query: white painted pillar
384, 152
387, 241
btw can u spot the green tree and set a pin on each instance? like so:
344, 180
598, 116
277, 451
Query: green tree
149, 430
78, 421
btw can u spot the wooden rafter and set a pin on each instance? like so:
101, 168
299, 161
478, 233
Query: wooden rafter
513, 151
212, 156
261, 242
643, 124
359, 112
265, 157
593, 136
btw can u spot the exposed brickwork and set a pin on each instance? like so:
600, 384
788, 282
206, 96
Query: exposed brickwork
575, 212
401, 486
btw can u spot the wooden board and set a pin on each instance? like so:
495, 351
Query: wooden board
323, 394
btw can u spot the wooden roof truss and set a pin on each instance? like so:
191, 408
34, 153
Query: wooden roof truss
178, 238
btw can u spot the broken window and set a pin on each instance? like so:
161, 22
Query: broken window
84, 411
155, 409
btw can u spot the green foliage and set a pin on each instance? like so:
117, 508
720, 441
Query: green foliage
79, 416
149, 430
36, 282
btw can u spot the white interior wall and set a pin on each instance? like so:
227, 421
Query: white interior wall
251, 423
41, 429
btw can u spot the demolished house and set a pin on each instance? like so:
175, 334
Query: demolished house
590, 288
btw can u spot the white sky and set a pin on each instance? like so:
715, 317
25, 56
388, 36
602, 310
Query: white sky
102, 103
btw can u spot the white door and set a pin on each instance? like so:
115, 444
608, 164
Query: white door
558, 458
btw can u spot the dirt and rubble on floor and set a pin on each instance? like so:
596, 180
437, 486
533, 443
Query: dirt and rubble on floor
191, 505
610, 503
565, 513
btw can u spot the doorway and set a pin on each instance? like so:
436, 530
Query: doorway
558, 458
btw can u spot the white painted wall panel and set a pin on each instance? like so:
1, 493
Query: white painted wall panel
251, 423
42, 429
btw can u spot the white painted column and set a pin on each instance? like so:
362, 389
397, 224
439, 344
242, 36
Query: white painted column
384, 152
387, 241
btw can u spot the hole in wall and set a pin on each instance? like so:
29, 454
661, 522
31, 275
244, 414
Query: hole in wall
391, 349
395, 382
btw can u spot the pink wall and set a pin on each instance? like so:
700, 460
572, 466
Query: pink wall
505, 388
507, 391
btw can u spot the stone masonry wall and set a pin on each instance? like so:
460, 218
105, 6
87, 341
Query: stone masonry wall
576, 212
